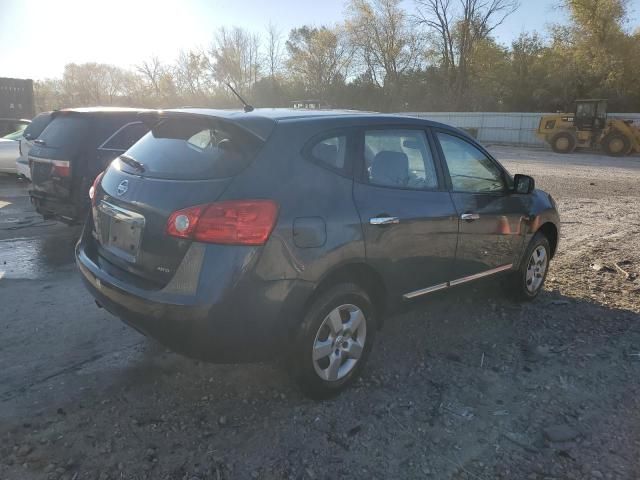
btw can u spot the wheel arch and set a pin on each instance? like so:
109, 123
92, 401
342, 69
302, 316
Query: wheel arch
363, 275
550, 231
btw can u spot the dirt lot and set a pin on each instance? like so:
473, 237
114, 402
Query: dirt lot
466, 385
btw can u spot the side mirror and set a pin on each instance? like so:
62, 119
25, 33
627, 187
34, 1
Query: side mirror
523, 184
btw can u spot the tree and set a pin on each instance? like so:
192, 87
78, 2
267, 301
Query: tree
235, 58
386, 44
458, 28
274, 50
318, 58
191, 76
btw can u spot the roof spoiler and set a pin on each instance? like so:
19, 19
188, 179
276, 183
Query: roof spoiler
152, 118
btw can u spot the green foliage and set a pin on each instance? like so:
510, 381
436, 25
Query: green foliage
438, 56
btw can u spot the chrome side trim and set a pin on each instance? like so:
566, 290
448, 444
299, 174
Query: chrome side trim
453, 283
470, 278
424, 291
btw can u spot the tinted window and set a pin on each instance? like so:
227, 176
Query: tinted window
37, 125
191, 149
469, 168
399, 158
331, 151
125, 137
64, 131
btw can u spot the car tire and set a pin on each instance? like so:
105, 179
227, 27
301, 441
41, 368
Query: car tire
334, 341
563, 142
616, 145
526, 283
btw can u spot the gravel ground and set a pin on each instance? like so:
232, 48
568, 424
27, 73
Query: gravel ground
465, 385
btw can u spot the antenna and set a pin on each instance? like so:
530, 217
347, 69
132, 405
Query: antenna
247, 108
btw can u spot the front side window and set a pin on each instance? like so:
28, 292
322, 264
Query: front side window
469, 168
399, 158
331, 151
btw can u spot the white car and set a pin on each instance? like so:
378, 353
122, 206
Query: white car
9, 153
33, 130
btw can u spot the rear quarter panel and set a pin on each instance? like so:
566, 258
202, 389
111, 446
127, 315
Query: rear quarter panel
308, 196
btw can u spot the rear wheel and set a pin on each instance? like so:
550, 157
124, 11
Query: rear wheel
616, 145
527, 282
334, 341
563, 142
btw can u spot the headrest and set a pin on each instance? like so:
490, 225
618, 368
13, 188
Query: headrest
390, 168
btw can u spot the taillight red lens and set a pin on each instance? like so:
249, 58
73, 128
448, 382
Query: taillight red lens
236, 222
61, 168
92, 189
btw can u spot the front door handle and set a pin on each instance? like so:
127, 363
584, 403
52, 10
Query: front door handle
384, 220
470, 217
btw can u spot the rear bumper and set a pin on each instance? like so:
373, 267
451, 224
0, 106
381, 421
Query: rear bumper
229, 320
50, 207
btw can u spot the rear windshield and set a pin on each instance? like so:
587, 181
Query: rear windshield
37, 125
64, 131
192, 149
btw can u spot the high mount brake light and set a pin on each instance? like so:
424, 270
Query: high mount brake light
235, 222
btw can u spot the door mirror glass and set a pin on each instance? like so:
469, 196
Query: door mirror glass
523, 184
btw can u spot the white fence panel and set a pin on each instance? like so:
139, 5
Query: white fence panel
501, 128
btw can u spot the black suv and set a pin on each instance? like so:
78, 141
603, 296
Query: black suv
73, 149
233, 236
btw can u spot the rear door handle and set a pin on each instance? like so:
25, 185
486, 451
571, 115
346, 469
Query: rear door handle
469, 217
384, 220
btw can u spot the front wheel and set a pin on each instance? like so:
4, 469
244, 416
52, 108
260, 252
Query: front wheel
616, 145
334, 341
527, 282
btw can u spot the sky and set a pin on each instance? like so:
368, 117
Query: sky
39, 37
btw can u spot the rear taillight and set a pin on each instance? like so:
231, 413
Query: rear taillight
92, 189
60, 168
236, 222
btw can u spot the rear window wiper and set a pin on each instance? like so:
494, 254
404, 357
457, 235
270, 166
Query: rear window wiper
132, 162
37, 141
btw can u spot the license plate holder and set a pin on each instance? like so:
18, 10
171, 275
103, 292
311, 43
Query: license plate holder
119, 230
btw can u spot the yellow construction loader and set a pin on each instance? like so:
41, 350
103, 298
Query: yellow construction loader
589, 127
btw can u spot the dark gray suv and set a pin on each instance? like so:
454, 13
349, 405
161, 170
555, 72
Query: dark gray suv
233, 236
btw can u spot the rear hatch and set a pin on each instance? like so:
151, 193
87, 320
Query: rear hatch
182, 162
52, 154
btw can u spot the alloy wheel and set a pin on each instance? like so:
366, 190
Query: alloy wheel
536, 269
340, 342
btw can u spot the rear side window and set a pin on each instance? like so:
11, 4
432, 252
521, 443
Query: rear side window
64, 131
399, 158
331, 151
37, 125
125, 137
193, 149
